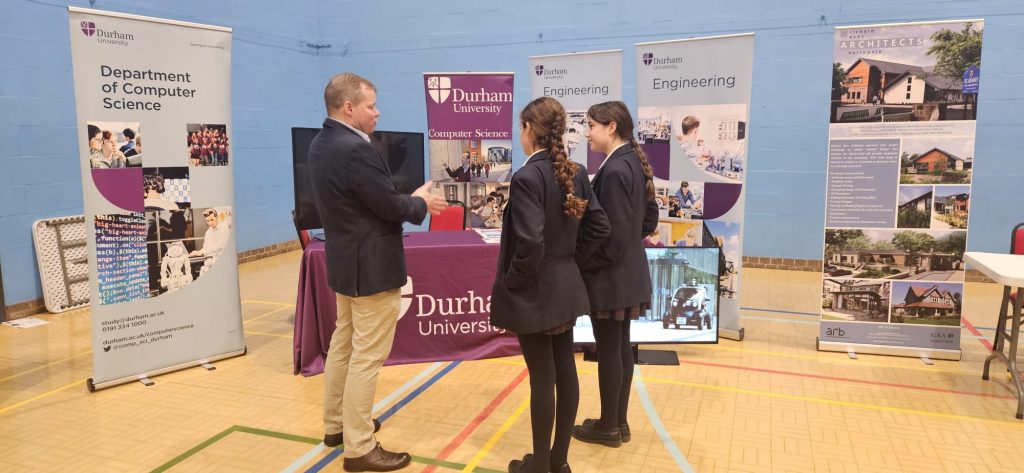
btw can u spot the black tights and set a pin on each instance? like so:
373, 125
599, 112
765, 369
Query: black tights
552, 367
614, 370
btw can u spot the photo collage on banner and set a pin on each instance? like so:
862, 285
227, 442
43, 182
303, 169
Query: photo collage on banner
692, 125
577, 81
470, 117
900, 161
159, 215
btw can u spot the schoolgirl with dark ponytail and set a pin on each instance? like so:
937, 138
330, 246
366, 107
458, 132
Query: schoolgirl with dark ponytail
616, 276
551, 220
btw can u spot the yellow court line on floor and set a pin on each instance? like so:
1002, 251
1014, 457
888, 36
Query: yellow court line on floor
16, 405
255, 301
832, 402
876, 407
491, 442
265, 334
830, 359
253, 319
44, 366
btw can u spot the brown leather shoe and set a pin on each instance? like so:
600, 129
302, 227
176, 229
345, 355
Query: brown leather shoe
378, 460
333, 440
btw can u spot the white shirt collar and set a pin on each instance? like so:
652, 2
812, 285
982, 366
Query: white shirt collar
358, 132
536, 153
610, 153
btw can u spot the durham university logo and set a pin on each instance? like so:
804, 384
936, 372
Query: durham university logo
439, 88
89, 28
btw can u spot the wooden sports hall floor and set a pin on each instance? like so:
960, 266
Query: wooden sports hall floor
770, 403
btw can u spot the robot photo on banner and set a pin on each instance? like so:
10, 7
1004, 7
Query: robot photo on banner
214, 241
175, 270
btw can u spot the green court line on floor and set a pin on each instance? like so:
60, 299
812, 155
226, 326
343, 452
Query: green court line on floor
294, 438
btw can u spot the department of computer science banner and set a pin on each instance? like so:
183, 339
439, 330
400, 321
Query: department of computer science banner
470, 119
578, 80
693, 100
900, 159
153, 100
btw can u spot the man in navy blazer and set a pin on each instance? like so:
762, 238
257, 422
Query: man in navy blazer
362, 214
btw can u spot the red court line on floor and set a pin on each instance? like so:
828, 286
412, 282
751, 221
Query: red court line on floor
479, 419
970, 327
846, 380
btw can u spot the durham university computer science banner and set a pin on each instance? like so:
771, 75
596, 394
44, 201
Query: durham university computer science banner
900, 159
469, 117
153, 100
578, 80
693, 100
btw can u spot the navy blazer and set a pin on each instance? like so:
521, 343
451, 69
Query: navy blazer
617, 275
538, 285
361, 211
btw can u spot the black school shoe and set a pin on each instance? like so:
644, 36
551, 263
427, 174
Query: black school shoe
626, 435
529, 458
590, 433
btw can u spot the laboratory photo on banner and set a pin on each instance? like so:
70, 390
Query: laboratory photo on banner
114, 144
684, 299
712, 139
683, 200
487, 202
183, 245
470, 160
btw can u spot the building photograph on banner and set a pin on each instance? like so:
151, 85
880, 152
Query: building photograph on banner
470, 119
159, 222
900, 164
577, 81
693, 125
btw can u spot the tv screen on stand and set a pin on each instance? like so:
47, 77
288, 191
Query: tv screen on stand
684, 299
403, 152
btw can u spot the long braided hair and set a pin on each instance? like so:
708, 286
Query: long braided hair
547, 120
607, 112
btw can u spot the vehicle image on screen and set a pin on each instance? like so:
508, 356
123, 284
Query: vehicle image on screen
688, 307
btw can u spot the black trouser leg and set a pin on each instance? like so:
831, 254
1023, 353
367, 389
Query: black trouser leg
567, 386
538, 351
611, 369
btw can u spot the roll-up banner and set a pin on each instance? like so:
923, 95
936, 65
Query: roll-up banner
578, 80
693, 100
469, 117
153, 102
900, 159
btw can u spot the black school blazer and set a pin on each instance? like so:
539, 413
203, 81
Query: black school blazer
617, 275
538, 285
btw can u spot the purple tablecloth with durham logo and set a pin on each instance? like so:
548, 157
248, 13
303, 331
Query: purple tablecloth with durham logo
448, 304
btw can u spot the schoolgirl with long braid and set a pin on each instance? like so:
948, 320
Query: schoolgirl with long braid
551, 221
616, 276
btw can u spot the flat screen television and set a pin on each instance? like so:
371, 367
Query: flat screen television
402, 150
684, 302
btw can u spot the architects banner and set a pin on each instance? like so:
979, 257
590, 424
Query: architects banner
578, 80
469, 116
693, 99
153, 99
901, 152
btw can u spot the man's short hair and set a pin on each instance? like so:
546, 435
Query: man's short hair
209, 212
345, 87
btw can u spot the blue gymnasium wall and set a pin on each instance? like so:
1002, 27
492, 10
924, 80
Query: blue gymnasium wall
791, 90
278, 78
275, 85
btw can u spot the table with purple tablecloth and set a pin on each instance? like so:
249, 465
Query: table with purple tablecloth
445, 304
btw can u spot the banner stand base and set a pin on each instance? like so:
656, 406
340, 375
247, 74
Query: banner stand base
731, 334
640, 357
93, 387
655, 357
912, 352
